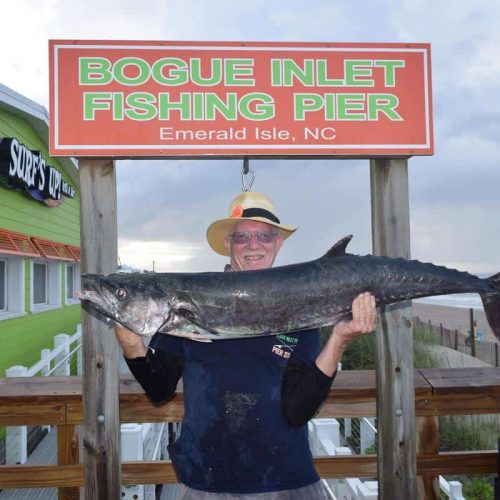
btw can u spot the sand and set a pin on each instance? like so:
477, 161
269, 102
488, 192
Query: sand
452, 318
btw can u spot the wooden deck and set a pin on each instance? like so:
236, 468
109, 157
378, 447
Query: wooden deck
58, 401
44, 453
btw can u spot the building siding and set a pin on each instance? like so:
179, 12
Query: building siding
20, 213
23, 337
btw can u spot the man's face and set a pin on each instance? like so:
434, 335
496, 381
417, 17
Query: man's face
253, 254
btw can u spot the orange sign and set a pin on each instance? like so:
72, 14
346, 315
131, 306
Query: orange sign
124, 98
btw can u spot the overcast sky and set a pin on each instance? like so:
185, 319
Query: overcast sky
165, 206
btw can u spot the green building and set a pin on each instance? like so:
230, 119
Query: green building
39, 235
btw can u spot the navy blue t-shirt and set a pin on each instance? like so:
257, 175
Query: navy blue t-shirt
234, 437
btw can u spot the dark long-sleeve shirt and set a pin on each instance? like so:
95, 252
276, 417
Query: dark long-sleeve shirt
304, 386
246, 405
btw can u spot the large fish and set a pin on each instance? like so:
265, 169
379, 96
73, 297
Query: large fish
224, 305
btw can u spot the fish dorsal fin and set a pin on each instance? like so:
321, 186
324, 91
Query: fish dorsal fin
338, 250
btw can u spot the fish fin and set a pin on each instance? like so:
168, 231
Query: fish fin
183, 327
187, 335
495, 279
338, 249
491, 304
196, 338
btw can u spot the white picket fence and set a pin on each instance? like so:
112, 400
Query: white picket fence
451, 488
56, 362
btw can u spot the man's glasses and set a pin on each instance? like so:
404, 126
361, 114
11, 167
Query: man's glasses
246, 236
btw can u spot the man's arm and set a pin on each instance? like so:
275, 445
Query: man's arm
305, 386
157, 372
132, 344
364, 320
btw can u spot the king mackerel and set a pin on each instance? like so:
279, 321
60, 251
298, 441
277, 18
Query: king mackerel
217, 305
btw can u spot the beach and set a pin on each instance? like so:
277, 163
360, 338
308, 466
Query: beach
452, 318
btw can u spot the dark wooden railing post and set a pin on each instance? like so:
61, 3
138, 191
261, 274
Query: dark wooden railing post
428, 444
67, 453
473, 338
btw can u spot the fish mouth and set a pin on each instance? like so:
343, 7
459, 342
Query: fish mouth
98, 298
91, 296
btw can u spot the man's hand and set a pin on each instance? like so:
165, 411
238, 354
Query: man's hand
364, 320
132, 344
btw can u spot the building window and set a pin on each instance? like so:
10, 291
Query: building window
45, 285
3, 286
11, 286
39, 283
72, 282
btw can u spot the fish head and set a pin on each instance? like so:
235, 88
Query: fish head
132, 300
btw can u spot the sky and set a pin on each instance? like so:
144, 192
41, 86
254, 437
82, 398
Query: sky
164, 207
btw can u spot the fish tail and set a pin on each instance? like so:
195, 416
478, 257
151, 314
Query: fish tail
491, 304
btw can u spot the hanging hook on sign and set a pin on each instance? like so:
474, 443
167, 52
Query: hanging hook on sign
246, 184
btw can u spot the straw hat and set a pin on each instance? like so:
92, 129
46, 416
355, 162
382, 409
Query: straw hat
247, 205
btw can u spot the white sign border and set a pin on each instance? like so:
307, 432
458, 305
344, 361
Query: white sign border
244, 147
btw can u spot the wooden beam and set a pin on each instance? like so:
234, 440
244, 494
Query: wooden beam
162, 472
438, 391
395, 369
101, 430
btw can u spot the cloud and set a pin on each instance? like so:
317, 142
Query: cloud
165, 206
29, 24
161, 256
458, 236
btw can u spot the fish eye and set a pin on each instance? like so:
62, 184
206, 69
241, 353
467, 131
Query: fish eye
121, 293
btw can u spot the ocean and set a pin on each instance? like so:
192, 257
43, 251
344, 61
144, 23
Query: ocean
467, 300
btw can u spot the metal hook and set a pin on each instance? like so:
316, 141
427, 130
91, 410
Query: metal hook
244, 172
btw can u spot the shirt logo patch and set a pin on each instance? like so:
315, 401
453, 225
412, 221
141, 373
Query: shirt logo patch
282, 350
287, 346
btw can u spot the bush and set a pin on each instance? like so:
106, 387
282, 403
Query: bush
478, 488
359, 354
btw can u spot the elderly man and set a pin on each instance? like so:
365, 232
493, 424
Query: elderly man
247, 401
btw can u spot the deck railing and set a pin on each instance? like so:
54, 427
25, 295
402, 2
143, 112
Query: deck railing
58, 401
58, 361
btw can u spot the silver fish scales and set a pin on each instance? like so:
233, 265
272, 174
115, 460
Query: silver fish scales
217, 305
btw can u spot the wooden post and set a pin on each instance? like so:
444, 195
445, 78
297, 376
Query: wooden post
397, 467
473, 338
101, 429
67, 453
428, 444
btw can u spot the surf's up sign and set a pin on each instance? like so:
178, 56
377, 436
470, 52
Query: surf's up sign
118, 98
